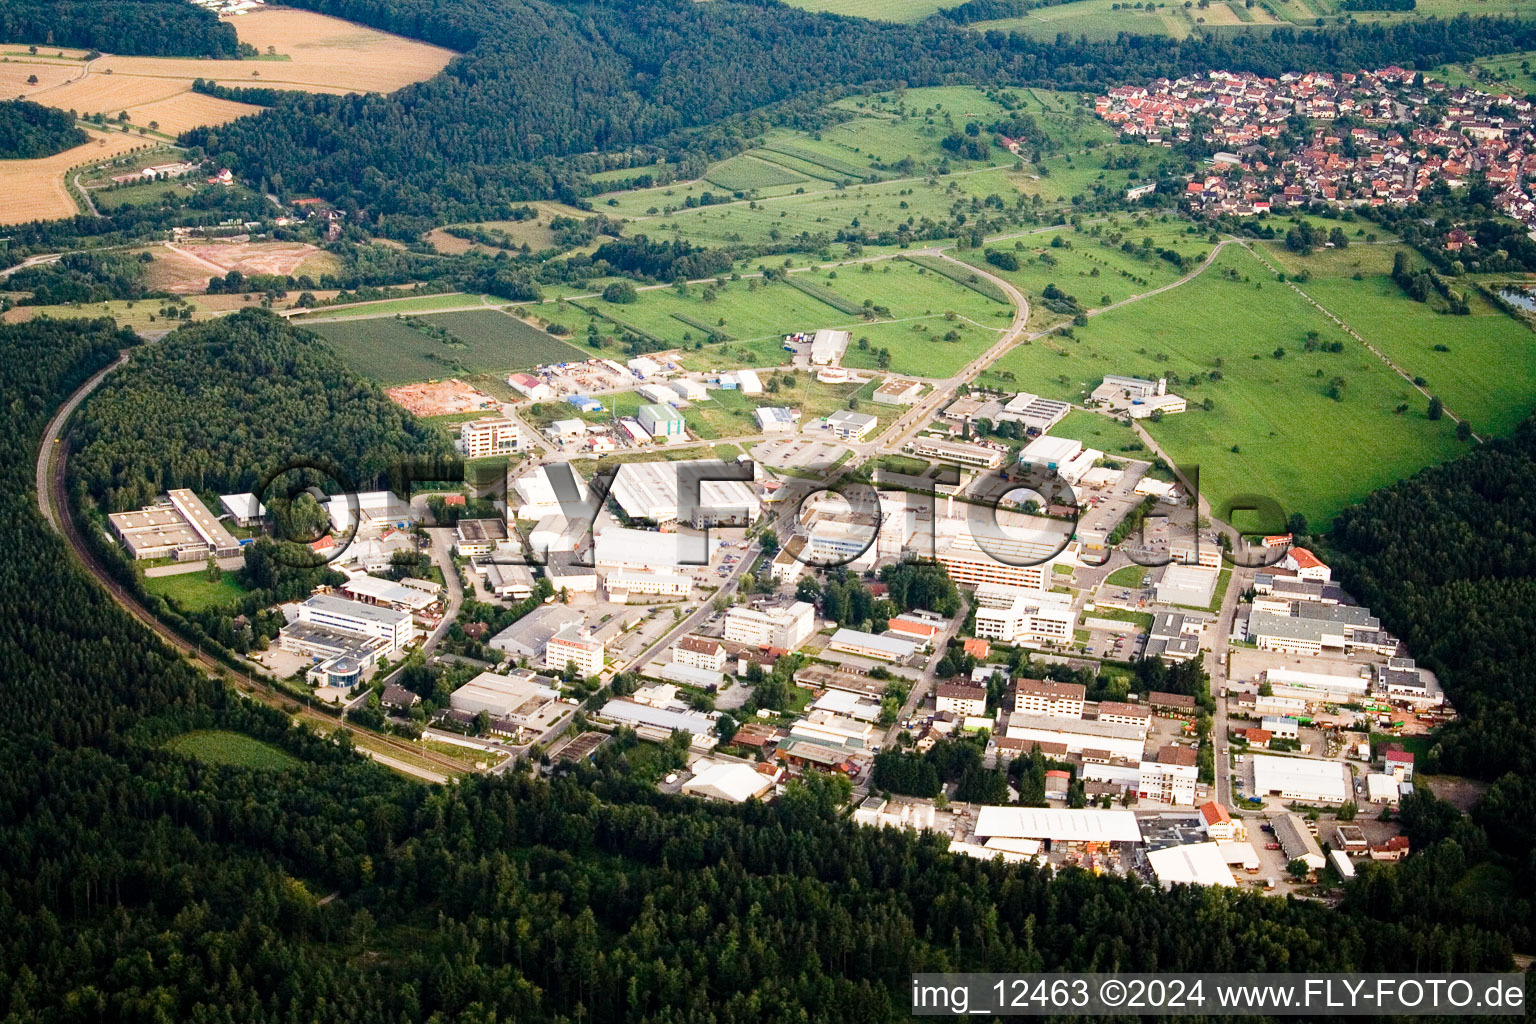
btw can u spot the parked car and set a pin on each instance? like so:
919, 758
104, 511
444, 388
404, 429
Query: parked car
1271, 846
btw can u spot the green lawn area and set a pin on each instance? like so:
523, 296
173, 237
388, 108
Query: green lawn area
1095, 271
194, 592
391, 351
1142, 620
751, 309
1108, 435
1294, 443
882, 10
1126, 576
1507, 72
222, 747
1488, 373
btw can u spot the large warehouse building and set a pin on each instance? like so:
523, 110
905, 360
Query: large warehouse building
1300, 778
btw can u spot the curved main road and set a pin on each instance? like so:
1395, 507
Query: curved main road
53, 504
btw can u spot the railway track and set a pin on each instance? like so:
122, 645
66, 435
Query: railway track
52, 502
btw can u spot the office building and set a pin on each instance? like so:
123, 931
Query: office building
1019, 615
1049, 698
962, 700
493, 435
1169, 778
391, 625
784, 628
959, 452
699, 652
851, 426
574, 645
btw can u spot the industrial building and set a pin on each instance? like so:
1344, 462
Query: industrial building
851, 426
539, 493
1190, 864
626, 583
728, 781
520, 697
1033, 412
1192, 586
1057, 825
1296, 841
868, 645
618, 547
1173, 637
662, 493
661, 421
1300, 778
530, 386
529, 635
898, 391
663, 721
412, 597
1127, 741
244, 509
1318, 628
1050, 452
482, 536
391, 625
181, 528
828, 346
776, 419
376, 510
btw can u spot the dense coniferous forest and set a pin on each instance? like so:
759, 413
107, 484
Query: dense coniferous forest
1447, 558
542, 79
142, 885
216, 406
170, 28
29, 130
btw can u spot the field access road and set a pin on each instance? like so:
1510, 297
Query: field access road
53, 503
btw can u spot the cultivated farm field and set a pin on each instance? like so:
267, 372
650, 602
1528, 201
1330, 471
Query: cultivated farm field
391, 351
1273, 429
880, 10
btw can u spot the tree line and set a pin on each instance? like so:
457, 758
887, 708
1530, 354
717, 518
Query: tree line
29, 130
168, 28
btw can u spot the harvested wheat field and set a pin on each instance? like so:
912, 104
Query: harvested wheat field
35, 189
325, 55
15, 72
166, 104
